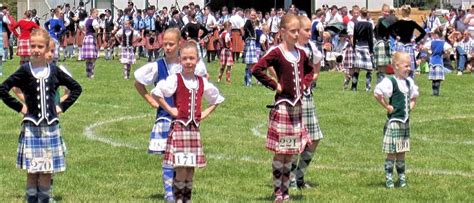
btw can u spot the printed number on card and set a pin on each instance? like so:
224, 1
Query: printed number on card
157, 145
185, 159
291, 142
43, 164
403, 146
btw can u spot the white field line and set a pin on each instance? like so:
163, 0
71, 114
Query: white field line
427, 139
90, 134
99, 104
443, 118
255, 130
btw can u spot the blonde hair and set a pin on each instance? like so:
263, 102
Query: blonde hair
41, 33
303, 20
364, 12
173, 31
286, 19
190, 44
386, 6
227, 24
406, 10
398, 56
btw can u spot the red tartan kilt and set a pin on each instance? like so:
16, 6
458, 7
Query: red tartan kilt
226, 57
211, 46
184, 139
100, 40
5, 40
79, 37
389, 69
110, 39
68, 39
285, 121
138, 41
158, 42
237, 42
23, 48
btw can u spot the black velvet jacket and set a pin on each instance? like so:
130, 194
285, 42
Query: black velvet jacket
40, 93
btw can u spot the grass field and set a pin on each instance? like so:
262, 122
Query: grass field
107, 130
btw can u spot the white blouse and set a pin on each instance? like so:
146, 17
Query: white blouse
385, 88
167, 88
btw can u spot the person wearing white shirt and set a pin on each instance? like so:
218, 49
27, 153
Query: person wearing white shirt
433, 21
397, 94
469, 21
333, 16
237, 22
212, 27
273, 23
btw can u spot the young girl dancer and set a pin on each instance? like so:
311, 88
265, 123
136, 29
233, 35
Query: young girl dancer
40, 151
401, 92
26, 25
184, 149
127, 57
226, 52
438, 48
310, 119
89, 50
153, 73
287, 135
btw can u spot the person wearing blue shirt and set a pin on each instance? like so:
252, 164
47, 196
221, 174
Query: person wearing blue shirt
55, 27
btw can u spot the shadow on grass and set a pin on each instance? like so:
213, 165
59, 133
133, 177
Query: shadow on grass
57, 198
158, 196
376, 184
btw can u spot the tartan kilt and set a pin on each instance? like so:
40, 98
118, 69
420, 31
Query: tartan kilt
237, 42
160, 131
407, 48
250, 52
285, 121
34, 141
23, 48
348, 58
89, 48
436, 72
362, 58
68, 38
159, 42
184, 139
382, 54
226, 57
127, 56
110, 39
212, 38
6, 42
138, 42
150, 38
99, 40
310, 119
79, 37
394, 131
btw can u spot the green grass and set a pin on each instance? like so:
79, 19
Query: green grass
348, 165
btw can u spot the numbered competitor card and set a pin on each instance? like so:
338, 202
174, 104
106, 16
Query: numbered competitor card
41, 164
184, 159
289, 143
157, 145
403, 146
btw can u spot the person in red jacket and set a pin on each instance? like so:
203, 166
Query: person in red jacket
26, 25
287, 136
